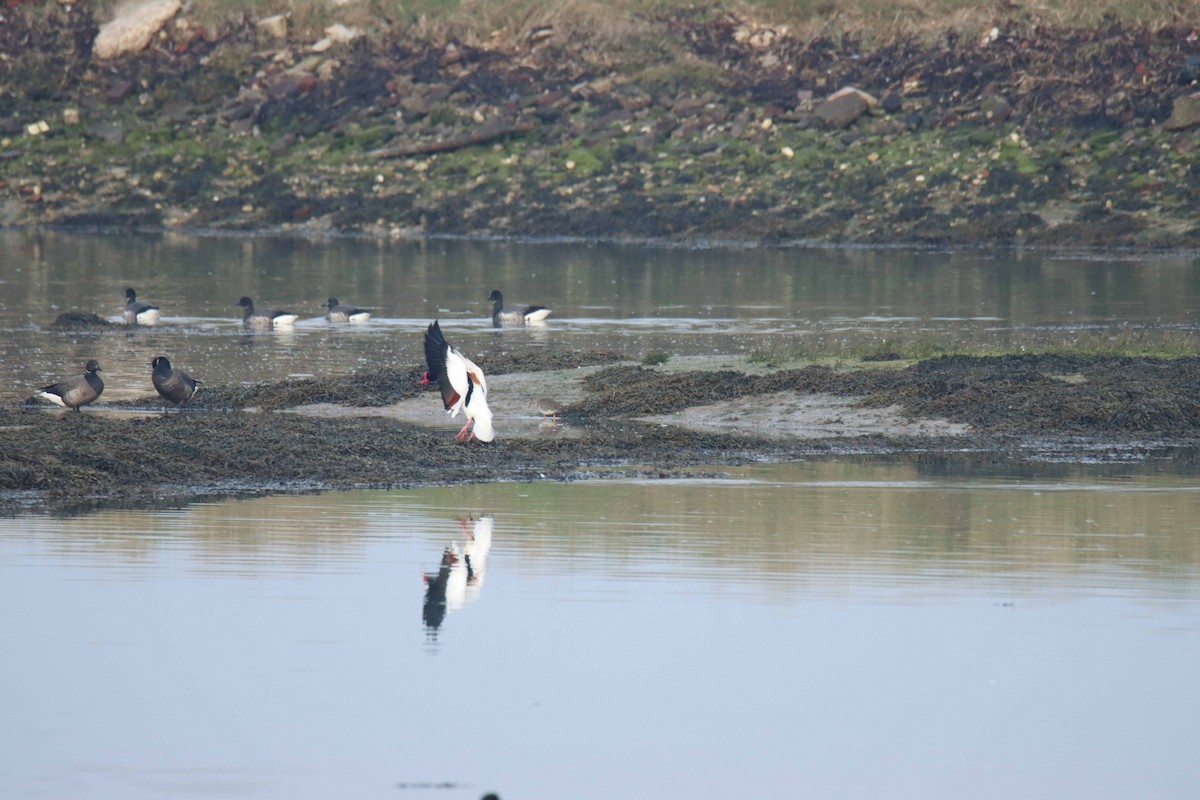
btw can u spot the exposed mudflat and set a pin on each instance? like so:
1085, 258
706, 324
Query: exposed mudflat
619, 419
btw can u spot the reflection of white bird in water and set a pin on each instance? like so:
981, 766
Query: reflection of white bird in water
459, 578
466, 578
433, 611
462, 385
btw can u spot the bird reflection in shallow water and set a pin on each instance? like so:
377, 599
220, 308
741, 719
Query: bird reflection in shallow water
459, 578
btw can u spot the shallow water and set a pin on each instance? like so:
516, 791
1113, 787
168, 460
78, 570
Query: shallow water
627, 300
841, 628
822, 629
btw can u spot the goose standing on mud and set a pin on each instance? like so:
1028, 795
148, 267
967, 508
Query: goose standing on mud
515, 314
266, 318
76, 391
173, 385
343, 312
138, 312
462, 384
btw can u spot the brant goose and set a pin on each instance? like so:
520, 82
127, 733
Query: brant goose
514, 314
266, 318
173, 385
342, 312
76, 391
138, 312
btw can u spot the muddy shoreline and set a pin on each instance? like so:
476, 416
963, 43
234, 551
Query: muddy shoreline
699, 128
246, 441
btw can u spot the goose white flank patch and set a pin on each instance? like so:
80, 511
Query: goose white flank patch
342, 312
76, 391
462, 384
173, 385
264, 318
138, 312
515, 314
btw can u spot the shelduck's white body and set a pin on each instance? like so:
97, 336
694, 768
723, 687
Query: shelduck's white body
462, 383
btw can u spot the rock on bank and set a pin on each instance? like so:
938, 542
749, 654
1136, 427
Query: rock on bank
696, 127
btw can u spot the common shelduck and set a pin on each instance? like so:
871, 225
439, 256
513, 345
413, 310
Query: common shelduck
342, 312
514, 314
462, 384
267, 318
76, 391
173, 385
138, 312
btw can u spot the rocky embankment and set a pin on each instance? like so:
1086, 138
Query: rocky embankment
688, 128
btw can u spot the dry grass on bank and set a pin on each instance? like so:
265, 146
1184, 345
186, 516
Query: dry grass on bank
476, 21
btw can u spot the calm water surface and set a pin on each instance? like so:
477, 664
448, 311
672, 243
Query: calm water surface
805, 630
623, 299
824, 629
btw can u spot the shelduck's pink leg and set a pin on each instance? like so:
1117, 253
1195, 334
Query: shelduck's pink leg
462, 434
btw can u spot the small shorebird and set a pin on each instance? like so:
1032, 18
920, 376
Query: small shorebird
342, 312
462, 384
515, 314
138, 312
76, 391
173, 385
266, 318
547, 408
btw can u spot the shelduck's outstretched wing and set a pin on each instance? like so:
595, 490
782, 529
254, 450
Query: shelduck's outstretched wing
462, 383
437, 351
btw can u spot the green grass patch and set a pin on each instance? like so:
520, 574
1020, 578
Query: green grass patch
1123, 341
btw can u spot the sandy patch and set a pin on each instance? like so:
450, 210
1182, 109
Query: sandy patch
806, 416
509, 396
779, 415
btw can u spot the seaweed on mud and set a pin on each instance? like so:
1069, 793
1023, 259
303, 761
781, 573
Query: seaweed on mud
374, 389
1019, 395
1118, 396
369, 389
635, 391
80, 319
1023, 402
